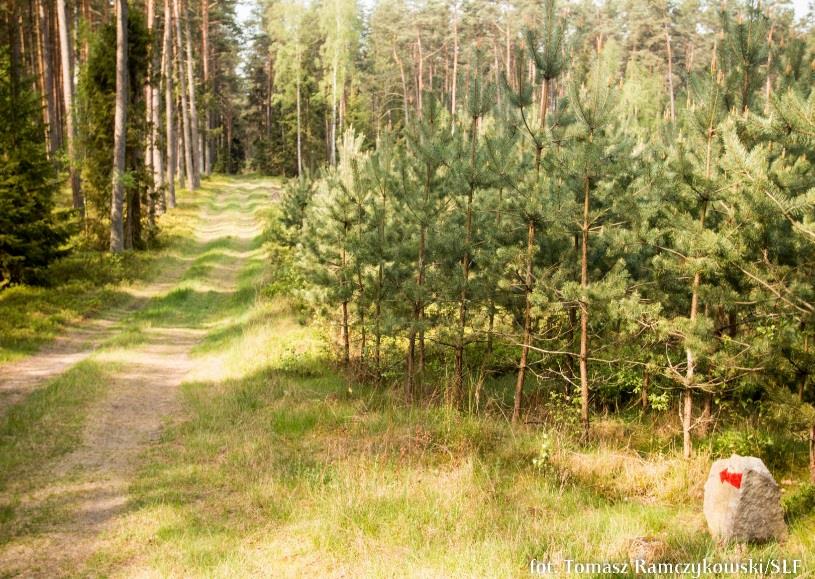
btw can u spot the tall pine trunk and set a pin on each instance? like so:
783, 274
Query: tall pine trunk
458, 383
152, 152
299, 120
155, 121
47, 73
66, 59
690, 370
455, 72
119, 130
334, 66
185, 110
380, 288
812, 453
195, 136
207, 147
670, 73
527, 333
169, 104
346, 330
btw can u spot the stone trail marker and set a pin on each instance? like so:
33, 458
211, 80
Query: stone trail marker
743, 502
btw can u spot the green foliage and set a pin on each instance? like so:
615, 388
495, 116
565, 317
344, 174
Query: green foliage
32, 233
743, 442
799, 503
297, 196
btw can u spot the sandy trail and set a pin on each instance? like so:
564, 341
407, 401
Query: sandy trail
18, 379
88, 487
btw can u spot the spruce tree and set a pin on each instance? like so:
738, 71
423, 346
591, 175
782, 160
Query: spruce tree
32, 234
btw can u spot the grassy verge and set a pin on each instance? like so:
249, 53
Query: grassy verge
284, 468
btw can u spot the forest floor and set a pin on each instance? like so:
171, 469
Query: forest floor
203, 431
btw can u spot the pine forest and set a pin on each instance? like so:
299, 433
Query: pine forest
454, 288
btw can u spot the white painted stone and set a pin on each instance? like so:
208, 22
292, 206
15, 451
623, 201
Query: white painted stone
743, 501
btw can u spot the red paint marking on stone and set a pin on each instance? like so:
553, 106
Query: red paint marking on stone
734, 478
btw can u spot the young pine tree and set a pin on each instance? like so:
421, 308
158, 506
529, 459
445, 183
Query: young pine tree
471, 175
593, 104
547, 53
328, 239
421, 199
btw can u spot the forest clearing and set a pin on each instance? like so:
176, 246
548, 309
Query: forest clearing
446, 288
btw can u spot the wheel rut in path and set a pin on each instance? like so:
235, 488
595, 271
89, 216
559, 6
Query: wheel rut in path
88, 488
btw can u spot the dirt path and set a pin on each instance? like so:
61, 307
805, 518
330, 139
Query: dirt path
18, 379
88, 487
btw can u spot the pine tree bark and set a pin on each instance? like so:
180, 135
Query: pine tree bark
66, 55
169, 104
46, 72
690, 371
334, 71
27, 25
119, 130
421, 283
527, 333
670, 73
195, 133
646, 383
207, 148
458, 384
812, 453
185, 111
420, 73
155, 125
584, 311
804, 376
13, 29
455, 71
769, 83
152, 152
346, 336
404, 83
380, 287
410, 383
